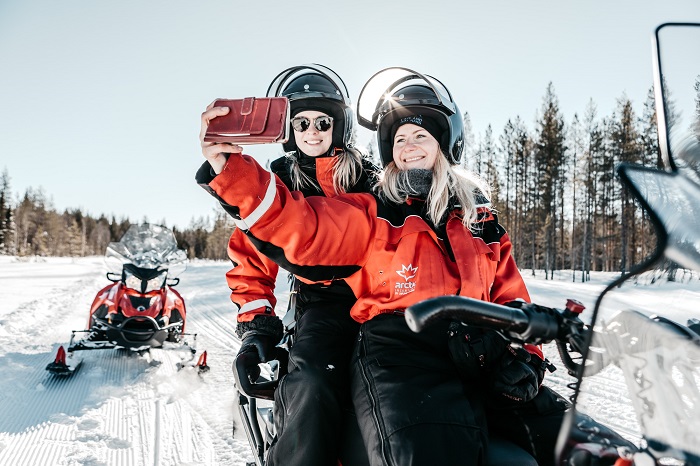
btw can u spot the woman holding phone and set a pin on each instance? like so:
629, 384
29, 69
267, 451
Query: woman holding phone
312, 401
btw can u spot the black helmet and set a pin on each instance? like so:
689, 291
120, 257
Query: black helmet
394, 93
316, 87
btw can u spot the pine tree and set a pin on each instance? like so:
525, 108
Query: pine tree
194, 239
576, 138
506, 150
607, 215
651, 153
478, 158
217, 239
373, 152
671, 112
99, 236
491, 167
593, 150
650, 157
626, 147
550, 163
5, 209
73, 235
469, 144
10, 233
517, 194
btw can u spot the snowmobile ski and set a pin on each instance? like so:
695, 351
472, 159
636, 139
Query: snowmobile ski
64, 364
201, 364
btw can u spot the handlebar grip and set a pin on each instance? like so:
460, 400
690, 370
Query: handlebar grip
467, 310
528, 324
264, 390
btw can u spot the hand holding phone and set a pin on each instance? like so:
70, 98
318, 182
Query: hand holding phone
253, 120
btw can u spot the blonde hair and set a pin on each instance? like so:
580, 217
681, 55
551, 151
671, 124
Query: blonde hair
450, 182
347, 170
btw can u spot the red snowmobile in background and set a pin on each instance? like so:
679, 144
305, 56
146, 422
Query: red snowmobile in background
140, 310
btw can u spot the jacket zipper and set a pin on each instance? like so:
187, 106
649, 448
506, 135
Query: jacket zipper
361, 351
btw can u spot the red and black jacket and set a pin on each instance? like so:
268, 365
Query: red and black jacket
252, 279
388, 254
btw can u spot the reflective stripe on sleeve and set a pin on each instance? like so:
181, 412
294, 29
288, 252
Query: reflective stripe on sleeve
252, 305
247, 222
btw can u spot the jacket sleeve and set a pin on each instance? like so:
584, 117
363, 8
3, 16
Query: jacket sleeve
310, 231
509, 284
251, 280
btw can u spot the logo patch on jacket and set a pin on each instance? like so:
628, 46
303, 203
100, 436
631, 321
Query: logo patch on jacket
407, 286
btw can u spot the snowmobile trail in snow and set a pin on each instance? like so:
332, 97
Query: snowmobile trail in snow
130, 409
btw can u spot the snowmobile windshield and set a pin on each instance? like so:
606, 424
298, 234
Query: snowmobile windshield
673, 201
375, 97
147, 246
642, 371
642, 376
143, 280
677, 85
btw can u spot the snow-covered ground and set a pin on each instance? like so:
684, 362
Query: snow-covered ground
130, 410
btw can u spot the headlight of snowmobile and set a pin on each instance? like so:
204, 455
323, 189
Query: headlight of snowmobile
155, 283
132, 281
142, 285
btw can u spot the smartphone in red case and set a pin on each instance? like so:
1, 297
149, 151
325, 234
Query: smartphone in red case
253, 120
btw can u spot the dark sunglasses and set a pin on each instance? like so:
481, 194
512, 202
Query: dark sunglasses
322, 123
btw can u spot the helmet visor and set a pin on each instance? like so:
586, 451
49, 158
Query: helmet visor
375, 97
282, 80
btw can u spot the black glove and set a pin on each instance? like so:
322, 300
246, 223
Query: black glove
259, 338
519, 375
261, 344
474, 351
255, 349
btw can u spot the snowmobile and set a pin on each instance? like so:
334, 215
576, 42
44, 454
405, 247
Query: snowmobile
651, 362
140, 309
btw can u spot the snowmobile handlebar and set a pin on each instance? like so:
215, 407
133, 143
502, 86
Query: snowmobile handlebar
521, 322
518, 322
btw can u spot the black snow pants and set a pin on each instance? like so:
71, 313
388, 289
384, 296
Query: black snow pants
313, 408
409, 399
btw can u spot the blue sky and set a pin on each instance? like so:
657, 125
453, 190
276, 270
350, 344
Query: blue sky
100, 101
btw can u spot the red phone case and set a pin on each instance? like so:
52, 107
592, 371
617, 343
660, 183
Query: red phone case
253, 120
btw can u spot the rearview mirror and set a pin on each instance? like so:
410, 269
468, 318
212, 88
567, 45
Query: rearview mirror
677, 94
